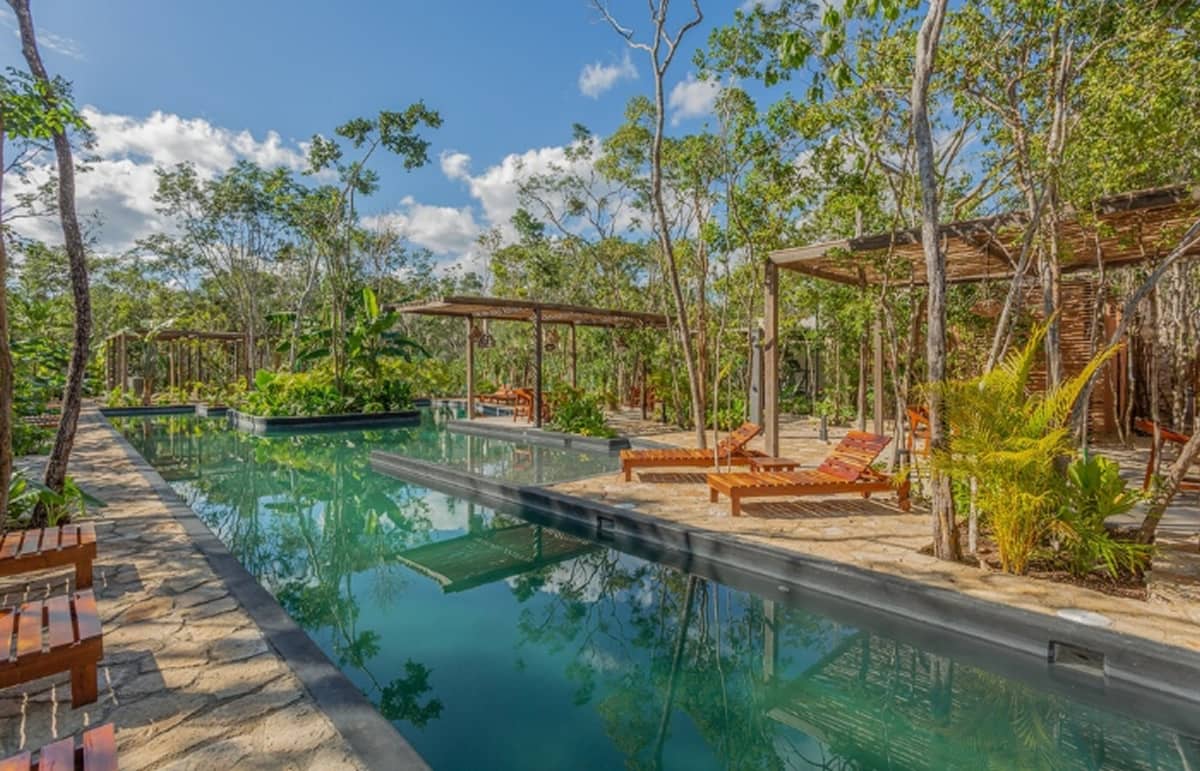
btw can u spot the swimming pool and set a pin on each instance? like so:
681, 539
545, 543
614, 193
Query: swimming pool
491, 641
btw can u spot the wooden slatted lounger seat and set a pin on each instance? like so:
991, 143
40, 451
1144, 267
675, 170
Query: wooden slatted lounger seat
26, 551
846, 470
98, 752
1191, 483
71, 628
731, 451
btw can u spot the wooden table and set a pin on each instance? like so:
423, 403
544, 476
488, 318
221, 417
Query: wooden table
767, 463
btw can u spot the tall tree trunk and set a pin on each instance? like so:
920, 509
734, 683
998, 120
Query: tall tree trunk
6, 362
64, 440
945, 529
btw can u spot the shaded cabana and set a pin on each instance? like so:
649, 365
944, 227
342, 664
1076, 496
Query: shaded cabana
532, 312
1120, 230
485, 556
185, 350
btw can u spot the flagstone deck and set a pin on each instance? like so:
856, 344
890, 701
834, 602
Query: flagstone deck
188, 677
875, 535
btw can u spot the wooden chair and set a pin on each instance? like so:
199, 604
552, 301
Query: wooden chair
26, 551
918, 428
846, 470
1168, 435
72, 643
730, 451
97, 752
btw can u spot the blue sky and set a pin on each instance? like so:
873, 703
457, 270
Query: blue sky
506, 77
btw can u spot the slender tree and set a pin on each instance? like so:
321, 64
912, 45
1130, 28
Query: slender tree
64, 440
945, 529
661, 50
6, 360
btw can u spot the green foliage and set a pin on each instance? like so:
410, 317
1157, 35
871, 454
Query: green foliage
1015, 444
119, 397
24, 495
577, 412
1094, 492
730, 413
29, 439
280, 394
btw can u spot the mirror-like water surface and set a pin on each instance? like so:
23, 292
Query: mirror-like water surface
493, 642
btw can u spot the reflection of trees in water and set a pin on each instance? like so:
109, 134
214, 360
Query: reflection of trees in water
306, 515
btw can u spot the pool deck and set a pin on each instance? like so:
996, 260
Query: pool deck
875, 535
189, 677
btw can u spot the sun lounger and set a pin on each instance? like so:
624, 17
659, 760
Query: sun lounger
61, 634
97, 752
730, 451
1168, 435
846, 470
26, 551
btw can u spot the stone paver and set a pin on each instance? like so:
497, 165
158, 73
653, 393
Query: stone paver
877, 536
187, 677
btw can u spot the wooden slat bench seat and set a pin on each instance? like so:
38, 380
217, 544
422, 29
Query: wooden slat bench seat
60, 634
27, 551
97, 752
730, 451
847, 469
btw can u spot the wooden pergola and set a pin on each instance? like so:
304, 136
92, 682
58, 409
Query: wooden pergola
185, 354
1119, 230
533, 312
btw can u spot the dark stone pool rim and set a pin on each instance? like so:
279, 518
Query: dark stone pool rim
1135, 671
540, 436
259, 424
369, 734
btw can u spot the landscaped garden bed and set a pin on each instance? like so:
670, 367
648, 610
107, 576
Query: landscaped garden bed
261, 424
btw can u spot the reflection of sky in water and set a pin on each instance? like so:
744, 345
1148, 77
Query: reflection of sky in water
492, 643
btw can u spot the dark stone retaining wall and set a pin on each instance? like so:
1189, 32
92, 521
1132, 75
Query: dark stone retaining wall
1140, 677
263, 425
519, 433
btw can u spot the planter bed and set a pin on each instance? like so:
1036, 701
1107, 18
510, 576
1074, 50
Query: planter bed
153, 409
259, 424
540, 436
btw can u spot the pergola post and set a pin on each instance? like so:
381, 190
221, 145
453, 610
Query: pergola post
470, 368
644, 388
537, 367
877, 372
171, 365
123, 361
574, 359
771, 358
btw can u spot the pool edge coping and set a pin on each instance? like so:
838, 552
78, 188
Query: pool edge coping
1129, 660
369, 735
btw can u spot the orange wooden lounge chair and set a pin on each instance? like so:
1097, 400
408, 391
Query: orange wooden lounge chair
730, 451
61, 634
1168, 435
846, 470
98, 752
918, 428
24, 551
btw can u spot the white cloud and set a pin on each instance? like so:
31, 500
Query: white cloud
596, 78
692, 98
120, 183
440, 229
48, 41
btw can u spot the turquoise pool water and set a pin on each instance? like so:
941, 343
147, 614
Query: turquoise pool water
495, 643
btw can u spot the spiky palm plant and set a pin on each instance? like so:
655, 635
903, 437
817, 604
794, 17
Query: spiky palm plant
1016, 443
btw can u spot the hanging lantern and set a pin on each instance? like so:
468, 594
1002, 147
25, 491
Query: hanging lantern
551, 342
485, 341
621, 344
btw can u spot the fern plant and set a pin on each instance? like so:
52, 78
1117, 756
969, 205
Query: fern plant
1016, 443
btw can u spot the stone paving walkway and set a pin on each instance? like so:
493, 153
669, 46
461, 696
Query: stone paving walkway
875, 535
187, 677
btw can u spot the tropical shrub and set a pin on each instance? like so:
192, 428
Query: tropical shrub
1016, 444
577, 412
290, 394
730, 413
30, 439
1094, 492
25, 494
119, 397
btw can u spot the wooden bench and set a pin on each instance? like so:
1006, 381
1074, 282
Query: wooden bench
26, 551
61, 634
98, 752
